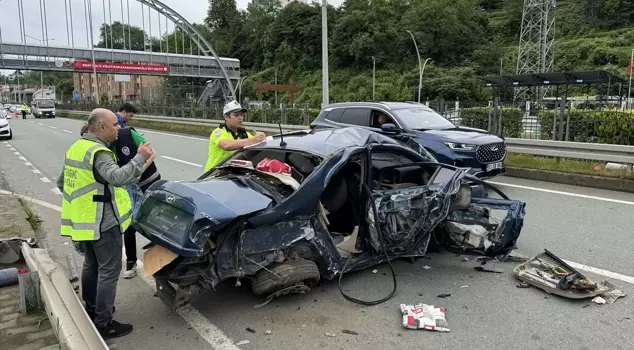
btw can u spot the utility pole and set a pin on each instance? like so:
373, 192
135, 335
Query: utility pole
373, 77
629, 89
324, 52
420, 68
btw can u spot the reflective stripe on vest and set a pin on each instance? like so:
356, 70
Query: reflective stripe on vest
83, 197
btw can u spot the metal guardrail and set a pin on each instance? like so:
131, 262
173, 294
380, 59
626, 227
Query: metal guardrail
564, 149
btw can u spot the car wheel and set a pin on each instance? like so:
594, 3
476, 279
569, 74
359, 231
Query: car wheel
290, 272
10, 135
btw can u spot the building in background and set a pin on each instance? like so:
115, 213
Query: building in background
117, 86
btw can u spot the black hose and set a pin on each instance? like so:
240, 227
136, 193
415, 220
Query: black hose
380, 234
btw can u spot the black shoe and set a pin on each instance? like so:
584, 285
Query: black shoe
115, 330
91, 314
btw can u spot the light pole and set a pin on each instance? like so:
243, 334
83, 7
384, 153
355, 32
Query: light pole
420, 68
421, 77
239, 87
324, 51
41, 73
373, 76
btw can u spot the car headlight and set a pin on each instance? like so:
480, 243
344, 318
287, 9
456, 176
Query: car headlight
460, 146
53, 112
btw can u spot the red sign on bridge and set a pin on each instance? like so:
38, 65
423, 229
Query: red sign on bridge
122, 67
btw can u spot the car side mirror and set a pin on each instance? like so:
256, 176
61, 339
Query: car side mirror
389, 127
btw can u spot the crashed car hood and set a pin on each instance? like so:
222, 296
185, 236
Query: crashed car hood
210, 205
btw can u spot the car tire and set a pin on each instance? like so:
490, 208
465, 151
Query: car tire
10, 135
291, 272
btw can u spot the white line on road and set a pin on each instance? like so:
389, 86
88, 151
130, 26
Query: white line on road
68, 131
182, 161
28, 163
41, 124
30, 121
45, 180
35, 171
563, 193
176, 135
52, 127
35, 201
22, 159
17, 153
56, 190
207, 330
606, 273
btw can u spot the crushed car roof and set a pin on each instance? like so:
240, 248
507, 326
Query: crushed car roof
325, 142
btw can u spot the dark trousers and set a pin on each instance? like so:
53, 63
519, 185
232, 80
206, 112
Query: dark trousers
23, 114
100, 274
129, 239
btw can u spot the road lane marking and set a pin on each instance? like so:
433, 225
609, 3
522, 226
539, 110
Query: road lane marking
35, 201
35, 171
182, 161
168, 134
207, 330
41, 124
17, 153
28, 163
606, 273
56, 190
52, 127
604, 199
68, 131
30, 121
22, 159
45, 180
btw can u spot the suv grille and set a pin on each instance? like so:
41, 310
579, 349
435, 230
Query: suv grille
494, 152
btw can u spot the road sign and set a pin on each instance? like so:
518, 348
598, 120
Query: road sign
77, 96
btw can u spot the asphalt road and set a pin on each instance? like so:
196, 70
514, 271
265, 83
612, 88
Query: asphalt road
588, 226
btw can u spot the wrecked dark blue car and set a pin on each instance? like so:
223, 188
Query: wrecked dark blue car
290, 211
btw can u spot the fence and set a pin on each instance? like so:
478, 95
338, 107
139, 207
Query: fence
541, 122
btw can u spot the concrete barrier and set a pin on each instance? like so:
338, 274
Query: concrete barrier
68, 317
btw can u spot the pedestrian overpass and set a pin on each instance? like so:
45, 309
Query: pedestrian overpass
221, 73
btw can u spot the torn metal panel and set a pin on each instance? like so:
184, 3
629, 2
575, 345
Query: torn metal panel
489, 227
547, 272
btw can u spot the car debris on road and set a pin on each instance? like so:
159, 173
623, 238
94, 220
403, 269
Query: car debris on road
550, 273
423, 316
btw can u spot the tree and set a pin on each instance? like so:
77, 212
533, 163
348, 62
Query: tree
222, 14
120, 36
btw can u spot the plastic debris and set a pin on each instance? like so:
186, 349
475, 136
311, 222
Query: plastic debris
523, 285
598, 300
422, 316
488, 269
465, 286
267, 332
465, 259
375, 271
347, 331
331, 334
243, 342
445, 295
426, 267
249, 329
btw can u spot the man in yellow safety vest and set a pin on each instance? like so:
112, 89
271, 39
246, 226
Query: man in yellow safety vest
96, 209
230, 136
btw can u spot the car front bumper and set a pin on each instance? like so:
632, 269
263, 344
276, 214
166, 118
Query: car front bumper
5, 130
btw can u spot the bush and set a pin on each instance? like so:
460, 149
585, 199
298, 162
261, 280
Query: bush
611, 127
478, 117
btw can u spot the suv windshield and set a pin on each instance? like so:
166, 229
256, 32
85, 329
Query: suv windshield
45, 104
422, 118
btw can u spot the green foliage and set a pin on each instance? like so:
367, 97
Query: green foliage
611, 127
478, 117
294, 116
120, 35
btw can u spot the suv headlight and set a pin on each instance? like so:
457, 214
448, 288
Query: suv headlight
460, 146
53, 112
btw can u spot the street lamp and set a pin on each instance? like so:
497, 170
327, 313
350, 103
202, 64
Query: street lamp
239, 87
421, 77
324, 51
41, 73
420, 68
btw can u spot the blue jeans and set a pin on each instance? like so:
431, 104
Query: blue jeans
129, 239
